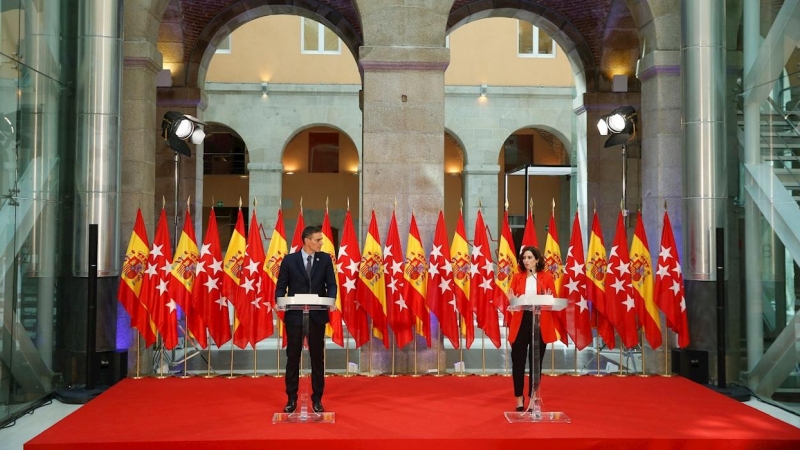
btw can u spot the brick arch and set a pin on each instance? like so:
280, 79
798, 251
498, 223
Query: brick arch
621, 45
576, 26
207, 22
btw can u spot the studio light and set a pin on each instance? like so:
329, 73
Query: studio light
178, 128
620, 123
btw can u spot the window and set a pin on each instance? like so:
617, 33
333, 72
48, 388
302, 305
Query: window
224, 45
316, 38
323, 152
533, 42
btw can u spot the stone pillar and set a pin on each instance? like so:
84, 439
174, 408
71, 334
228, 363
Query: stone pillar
403, 63
480, 185
662, 146
138, 136
267, 191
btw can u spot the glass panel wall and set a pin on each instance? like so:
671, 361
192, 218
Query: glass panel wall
36, 73
770, 168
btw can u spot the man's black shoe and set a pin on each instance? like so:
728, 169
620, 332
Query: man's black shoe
318, 407
291, 405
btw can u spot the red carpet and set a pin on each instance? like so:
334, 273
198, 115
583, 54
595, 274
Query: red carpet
427, 412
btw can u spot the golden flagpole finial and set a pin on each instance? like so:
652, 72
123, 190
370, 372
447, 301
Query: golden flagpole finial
348, 203
506, 205
163, 202
554, 204
480, 204
255, 202
594, 205
240, 202
280, 203
461, 204
188, 200
213, 202
530, 206
622, 205
665, 204
301, 204
395, 204
326, 204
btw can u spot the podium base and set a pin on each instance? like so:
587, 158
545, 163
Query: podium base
304, 417
533, 417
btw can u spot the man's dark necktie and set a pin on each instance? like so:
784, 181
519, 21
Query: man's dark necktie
308, 266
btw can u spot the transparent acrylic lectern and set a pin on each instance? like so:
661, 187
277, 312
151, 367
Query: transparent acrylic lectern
536, 304
303, 414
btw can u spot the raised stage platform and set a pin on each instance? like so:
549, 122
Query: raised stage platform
426, 412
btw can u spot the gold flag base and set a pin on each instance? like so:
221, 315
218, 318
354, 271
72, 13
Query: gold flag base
209, 375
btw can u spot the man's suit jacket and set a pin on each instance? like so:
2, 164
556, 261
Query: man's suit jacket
292, 278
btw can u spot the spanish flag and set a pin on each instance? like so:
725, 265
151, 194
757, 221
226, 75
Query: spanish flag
371, 286
642, 277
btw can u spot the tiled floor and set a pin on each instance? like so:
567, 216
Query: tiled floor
30, 425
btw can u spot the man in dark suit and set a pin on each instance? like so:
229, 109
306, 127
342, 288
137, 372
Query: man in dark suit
308, 271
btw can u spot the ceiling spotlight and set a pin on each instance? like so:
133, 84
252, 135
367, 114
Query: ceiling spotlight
177, 128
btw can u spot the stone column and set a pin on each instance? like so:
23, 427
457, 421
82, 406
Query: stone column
403, 63
141, 63
480, 186
267, 191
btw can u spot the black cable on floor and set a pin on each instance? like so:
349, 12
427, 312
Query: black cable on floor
13, 419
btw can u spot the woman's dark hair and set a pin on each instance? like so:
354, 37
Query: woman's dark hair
536, 254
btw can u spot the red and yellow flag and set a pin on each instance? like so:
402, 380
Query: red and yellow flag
441, 297
482, 286
416, 281
181, 282
400, 317
642, 277
155, 285
131, 278
353, 312
334, 326
207, 296
371, 285
232, 267
460, 263
507, 267
552, 323
669, 289
596, 264
278, 249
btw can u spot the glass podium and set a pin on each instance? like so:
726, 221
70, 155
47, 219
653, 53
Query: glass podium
536, 304
304, 414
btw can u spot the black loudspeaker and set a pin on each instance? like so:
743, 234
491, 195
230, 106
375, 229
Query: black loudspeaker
110, 367
691, 364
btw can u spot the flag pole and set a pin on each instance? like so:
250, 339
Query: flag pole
644, 366
483, 353
369, 355
666, 356
620, 373
138, 357
415, 357
231, 375
461, 373
394, 345
575, 372
597, 373
552, 359
255, 363
439, 342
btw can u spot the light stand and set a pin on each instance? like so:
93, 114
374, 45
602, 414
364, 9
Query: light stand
621, 125
176, 129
